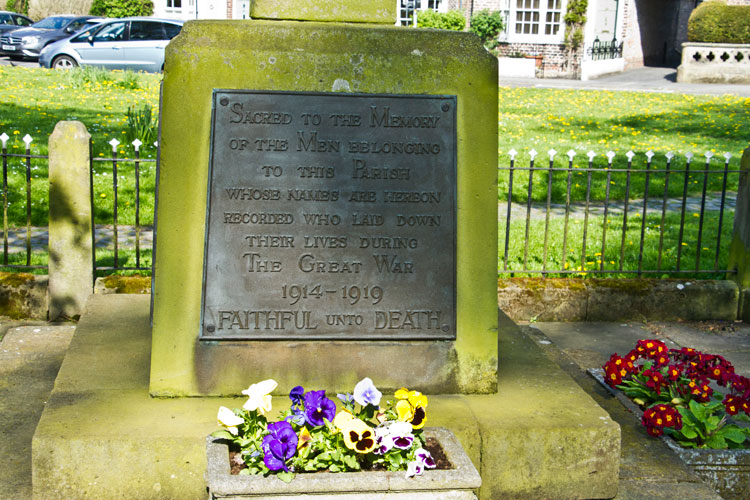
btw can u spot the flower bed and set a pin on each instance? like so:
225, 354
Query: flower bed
695, 402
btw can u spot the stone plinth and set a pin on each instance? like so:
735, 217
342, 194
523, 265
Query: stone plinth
101, 435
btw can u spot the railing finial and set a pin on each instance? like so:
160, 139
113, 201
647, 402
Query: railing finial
650, 154
591, 155
114, 143
551, 154
4, 138
571, 154
27, 139
533, 154
137, 144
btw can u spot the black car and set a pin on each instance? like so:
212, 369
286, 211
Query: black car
28, 42
11, 21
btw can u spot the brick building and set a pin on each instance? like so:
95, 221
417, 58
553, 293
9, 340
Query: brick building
618, 34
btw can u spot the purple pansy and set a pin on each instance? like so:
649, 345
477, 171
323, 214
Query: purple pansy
297, 395
425, 458
318, 408
365, 393
279, 445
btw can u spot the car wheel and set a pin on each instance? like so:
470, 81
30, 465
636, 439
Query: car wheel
64, 62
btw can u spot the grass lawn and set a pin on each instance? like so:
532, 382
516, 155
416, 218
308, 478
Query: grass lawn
32, 101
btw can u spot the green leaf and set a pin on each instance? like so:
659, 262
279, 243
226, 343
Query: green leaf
688, 432
334, 468
716, 442
285, 476
733, 433
351, 462
245, 472
698, 410
222, 434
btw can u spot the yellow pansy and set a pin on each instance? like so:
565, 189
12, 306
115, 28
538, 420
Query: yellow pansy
411, 407
341, 419
358, 436
304, 438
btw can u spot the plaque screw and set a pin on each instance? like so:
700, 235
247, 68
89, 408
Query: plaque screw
446, 107
224, 101
445, 328
210, 328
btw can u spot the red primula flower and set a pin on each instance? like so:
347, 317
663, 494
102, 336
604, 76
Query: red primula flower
651, 348
731, 404
654, 380
674, 372
659, 417
613, 373
745, 406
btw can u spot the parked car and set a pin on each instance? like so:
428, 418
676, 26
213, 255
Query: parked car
11, 21
29, 42
135, 43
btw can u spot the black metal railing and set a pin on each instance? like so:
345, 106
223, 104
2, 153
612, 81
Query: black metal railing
137, 227
599, 50
25, 214
18, 235
577, 208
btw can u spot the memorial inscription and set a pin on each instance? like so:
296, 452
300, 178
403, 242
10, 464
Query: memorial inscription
330, 216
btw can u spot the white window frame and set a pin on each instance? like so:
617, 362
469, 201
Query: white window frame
171, 8
437, 5
527, 7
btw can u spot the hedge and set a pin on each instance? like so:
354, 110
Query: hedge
716, 22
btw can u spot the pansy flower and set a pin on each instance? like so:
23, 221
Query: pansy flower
425, 457
401, 434
279, 445
358, 436
365, 393
229, 420
411, 407
318, 408
259, 396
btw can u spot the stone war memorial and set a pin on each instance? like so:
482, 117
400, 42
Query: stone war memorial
326, 211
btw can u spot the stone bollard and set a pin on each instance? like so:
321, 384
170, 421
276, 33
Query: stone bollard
739, 252
71, 275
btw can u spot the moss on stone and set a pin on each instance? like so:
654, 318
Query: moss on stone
15, 279
128, 284
635, 286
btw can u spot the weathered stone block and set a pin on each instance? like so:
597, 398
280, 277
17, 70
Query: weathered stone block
70, 220
351, 11
23, 295
269, 55
550, 299
613, 300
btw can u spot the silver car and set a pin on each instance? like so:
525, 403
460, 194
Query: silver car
135, 43
26, 43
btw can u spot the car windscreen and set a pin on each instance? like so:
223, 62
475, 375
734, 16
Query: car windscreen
52, 23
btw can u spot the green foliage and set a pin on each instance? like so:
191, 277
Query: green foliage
716, 22
452, 20
703, 428
142, 124
575, 19
87, 75
122, 8
20, 6
130, 80
487, 25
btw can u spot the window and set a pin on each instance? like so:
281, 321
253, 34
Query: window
407, 8
146, 30
533, 19
174, 4
114, 32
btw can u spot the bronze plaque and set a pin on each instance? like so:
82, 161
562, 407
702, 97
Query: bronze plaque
330, 216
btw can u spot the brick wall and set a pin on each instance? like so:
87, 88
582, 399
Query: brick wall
229, 9
553, 62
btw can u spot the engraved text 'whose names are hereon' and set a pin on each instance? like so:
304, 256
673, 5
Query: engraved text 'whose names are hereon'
329, 215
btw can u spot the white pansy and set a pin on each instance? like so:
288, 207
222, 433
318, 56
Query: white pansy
259, 396
229, 420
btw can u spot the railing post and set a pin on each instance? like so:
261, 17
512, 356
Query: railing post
739, 252
71, 276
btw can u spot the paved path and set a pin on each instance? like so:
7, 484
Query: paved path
104, 236
30, 357
663, 80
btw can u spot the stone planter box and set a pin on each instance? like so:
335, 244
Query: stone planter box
457, 483
726, 471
